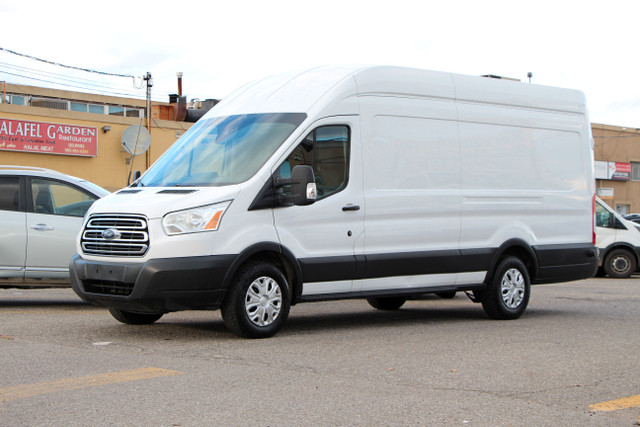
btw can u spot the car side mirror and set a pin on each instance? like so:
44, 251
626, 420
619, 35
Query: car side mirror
303, 186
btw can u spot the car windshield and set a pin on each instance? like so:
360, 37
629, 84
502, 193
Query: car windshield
222, 150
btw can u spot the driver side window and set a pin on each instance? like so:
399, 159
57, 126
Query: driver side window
326, 150
604, 218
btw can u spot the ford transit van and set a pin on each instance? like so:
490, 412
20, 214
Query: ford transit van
380, 183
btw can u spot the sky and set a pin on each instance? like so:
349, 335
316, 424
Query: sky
221, 45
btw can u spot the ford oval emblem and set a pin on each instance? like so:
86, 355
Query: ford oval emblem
110, 234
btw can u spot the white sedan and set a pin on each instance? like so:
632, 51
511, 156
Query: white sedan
41, 213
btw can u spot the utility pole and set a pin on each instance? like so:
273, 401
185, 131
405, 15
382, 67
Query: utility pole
147, 78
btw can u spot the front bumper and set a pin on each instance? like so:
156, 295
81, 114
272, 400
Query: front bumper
157, 286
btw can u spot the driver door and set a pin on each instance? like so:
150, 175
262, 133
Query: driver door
326, 237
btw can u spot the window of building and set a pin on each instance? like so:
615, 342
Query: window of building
116, 111
622, 209
79, 106
134, 112
97, 109
14, 99
63, 104
635, 171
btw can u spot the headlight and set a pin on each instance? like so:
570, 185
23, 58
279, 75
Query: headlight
203, 218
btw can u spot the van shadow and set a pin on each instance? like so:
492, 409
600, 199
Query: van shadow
378, 318
317, 323
300, 323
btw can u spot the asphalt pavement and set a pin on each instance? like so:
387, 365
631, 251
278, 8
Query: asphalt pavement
571, 360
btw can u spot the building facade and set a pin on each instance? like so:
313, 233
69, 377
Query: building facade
617, 163
80, 134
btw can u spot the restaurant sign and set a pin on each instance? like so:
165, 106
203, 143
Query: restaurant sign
49, 138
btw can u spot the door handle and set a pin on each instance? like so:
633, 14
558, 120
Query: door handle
41, 227
350, 207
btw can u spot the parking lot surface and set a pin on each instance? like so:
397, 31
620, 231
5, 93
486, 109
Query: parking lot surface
572, 359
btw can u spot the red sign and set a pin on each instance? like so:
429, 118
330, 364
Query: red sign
620, 171
49, 138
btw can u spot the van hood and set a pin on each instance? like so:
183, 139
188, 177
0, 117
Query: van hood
155, 202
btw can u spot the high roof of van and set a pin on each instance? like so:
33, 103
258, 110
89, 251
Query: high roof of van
336, 88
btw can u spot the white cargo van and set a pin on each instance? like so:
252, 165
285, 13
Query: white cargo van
379, 182
618, 241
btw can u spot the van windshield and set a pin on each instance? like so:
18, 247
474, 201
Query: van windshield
222, 150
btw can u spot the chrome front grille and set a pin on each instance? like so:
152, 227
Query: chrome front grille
116, 235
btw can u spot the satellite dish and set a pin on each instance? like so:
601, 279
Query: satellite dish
136, 140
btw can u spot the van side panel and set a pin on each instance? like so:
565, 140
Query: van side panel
526, 174
412, 189
522, 183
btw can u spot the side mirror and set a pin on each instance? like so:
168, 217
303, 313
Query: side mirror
303, 186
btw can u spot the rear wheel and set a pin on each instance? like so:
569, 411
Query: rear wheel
387, 303
507, 294
619, 263
257, 304
131, 318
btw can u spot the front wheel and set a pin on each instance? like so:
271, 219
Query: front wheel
507, 294
257, 303
131, 318
619, 263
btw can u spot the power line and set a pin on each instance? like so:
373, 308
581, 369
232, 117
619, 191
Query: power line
73, 81
65, 78
108, 92
69, 66
142, 84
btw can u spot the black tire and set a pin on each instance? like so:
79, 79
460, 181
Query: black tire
258, 301
387, 303
446, 295
131, 318
619, 263
507, 294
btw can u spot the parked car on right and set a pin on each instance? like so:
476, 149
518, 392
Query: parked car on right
618, 240
633, 217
